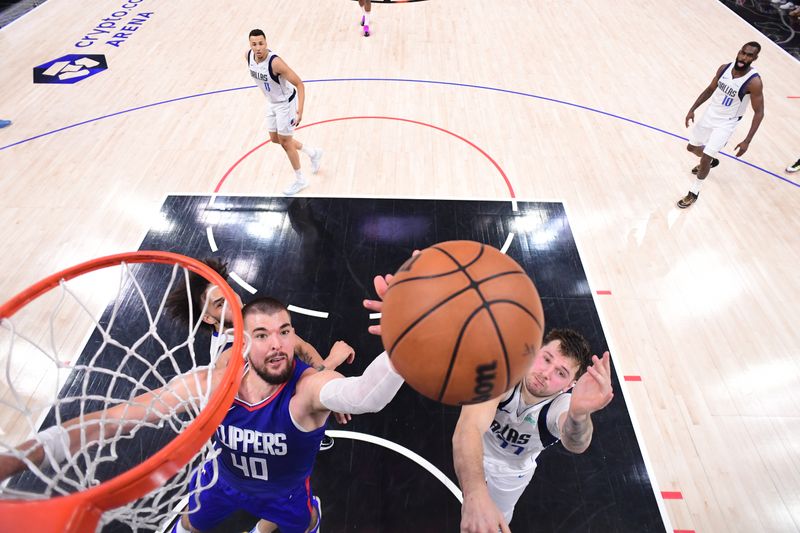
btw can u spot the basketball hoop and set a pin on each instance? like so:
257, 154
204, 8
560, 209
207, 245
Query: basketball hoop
88, 502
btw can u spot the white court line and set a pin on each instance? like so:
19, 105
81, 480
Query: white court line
350, 196
424, 463
211, 201
242, 283
211, 241
175, 512
514, 204
309, 312
618, 359
374, 316
507, 244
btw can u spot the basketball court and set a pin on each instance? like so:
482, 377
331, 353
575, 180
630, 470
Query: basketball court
530, 127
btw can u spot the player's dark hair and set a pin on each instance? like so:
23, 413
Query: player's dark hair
177, 304
257, 33
573, 345
266, 306
754, 45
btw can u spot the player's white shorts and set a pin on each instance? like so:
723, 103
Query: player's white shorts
713, 135
281, 117
506, 486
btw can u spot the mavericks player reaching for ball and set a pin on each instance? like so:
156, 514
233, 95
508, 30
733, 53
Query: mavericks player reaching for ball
495, 443
733, 87
286, 95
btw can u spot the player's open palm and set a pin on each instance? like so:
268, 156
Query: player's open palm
593, 390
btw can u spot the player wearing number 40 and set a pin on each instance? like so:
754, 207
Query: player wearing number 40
269, 437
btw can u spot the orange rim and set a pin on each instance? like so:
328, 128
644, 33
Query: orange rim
81, 511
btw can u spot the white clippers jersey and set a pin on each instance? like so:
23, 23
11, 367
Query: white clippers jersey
275, 87
729, 101
519, 433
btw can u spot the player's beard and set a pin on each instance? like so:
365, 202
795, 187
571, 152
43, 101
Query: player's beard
273, 378
737, 63
536, 387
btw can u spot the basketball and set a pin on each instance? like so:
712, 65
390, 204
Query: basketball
461, 322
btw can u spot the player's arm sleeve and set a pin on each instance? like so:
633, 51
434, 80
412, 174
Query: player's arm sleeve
367, 393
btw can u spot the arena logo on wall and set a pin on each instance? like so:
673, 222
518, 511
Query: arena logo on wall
111, 31
70, 68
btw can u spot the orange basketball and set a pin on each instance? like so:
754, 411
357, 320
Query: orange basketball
461, 322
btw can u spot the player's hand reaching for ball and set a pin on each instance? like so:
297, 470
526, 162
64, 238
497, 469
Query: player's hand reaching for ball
381, 284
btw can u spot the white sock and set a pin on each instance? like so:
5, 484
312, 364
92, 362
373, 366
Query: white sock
695, 188
298, 175
310, 152
366, 18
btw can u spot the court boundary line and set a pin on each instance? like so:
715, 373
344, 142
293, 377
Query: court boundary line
404, 80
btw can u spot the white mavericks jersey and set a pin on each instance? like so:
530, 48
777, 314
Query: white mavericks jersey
520, 432
275, 87
219, 343
729, 101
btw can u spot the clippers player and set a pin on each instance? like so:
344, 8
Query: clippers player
268, 439
272, 432
286, 95
495, 443
734, 86
209, 308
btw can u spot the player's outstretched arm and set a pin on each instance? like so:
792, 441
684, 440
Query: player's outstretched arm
367, 393
341, 352
592, 393
479, 514
61, 441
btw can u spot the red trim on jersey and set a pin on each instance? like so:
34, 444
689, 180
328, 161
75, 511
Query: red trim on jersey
308, 497
265, 402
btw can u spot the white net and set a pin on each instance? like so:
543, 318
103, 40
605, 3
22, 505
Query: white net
61, 364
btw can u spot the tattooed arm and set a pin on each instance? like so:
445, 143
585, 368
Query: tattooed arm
592, 392
308, 354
